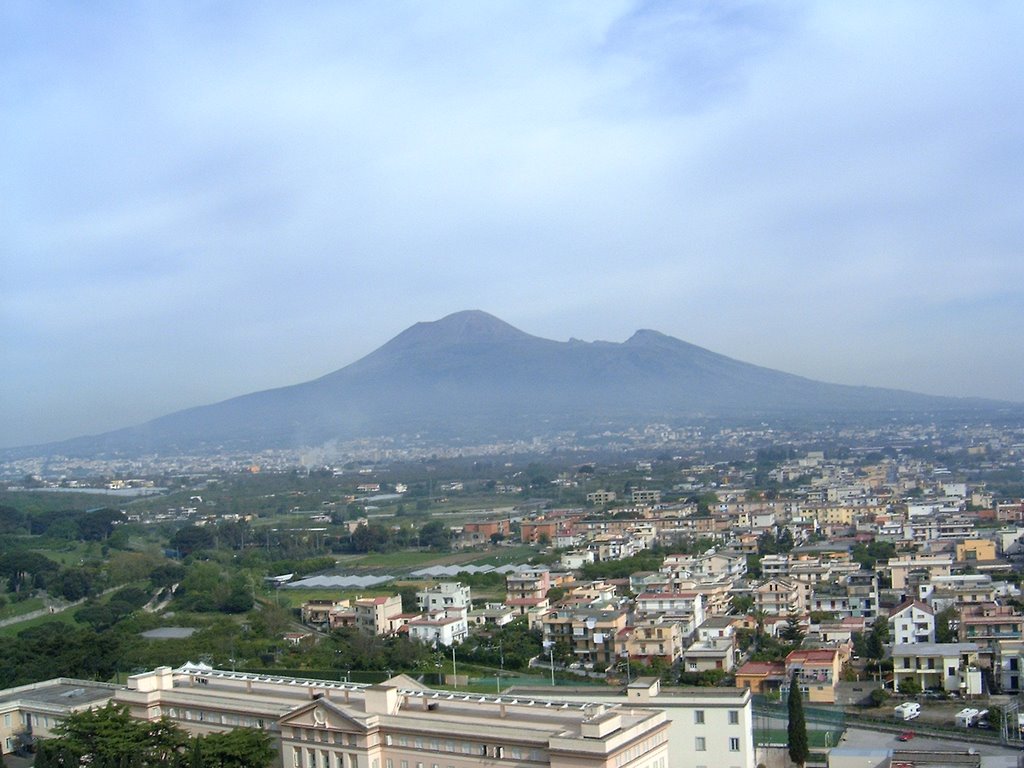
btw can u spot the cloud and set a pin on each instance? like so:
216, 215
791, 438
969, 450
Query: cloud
204, 201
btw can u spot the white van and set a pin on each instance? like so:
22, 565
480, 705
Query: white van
908, 710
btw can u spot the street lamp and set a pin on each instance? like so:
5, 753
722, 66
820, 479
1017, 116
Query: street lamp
550, 645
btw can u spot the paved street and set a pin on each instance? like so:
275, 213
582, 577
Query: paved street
863, 739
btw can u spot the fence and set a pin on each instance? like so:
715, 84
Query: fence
771, 716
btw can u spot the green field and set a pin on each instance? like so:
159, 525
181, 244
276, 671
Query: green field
17, 609
820, 739
67, 617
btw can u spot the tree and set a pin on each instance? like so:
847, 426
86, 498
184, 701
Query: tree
909, 686
742, 603
110, 736
945, 625
434, 535
793, 633
238, 748
796, 729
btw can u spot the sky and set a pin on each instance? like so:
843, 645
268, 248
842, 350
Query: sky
201, 200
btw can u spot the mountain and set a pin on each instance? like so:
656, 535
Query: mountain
473, 376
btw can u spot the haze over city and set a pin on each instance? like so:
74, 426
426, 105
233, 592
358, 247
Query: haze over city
200, 202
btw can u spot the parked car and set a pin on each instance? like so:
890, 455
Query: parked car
906, 736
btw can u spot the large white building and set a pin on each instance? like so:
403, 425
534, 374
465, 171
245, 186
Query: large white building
708, 727
401, 724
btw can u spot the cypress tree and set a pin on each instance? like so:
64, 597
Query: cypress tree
796, 729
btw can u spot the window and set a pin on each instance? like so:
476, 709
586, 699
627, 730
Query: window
389, 763
698, 716
734, 717
734, 744
700, 744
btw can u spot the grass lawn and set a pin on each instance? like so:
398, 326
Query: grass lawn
818, 739
67, 617
17, 609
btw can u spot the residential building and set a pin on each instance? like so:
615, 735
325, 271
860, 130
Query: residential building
376, 615
951, 667
974, 550
318, 612
912, 622
444, 596
656, 637
817, 673
708, 727
492, 615
436, 628
716, 654
778, 597
686, 608
918, 567
1008, 666
761, 677
985, 623
590, 632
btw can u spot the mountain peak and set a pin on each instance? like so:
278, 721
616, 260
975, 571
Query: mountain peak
465, 327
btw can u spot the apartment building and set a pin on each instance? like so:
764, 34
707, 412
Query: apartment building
986, 623
491, 614
714, 654
444, 596
817, 673
951, 667
920, 567
708, 727
912, 622
655, 637
853, 596
1008, 666
590, 632
436, 628
377, 615
318, 612
526, 591
686, 608
974, 550
778, 597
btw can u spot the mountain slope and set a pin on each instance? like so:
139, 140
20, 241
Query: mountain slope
471, 375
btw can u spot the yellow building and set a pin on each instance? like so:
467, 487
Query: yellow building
975, 549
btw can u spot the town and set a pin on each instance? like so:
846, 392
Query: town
877, 572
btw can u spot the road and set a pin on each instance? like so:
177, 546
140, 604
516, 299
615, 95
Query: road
859, 738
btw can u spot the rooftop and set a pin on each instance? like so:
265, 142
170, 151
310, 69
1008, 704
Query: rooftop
61, 692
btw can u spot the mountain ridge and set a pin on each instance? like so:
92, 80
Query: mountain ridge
472, 374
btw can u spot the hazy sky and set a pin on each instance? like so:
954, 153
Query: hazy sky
199, 200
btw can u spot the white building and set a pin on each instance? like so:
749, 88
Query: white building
443, 596
912, 622
445, 628
708, 727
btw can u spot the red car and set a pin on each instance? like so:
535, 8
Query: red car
906, 736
